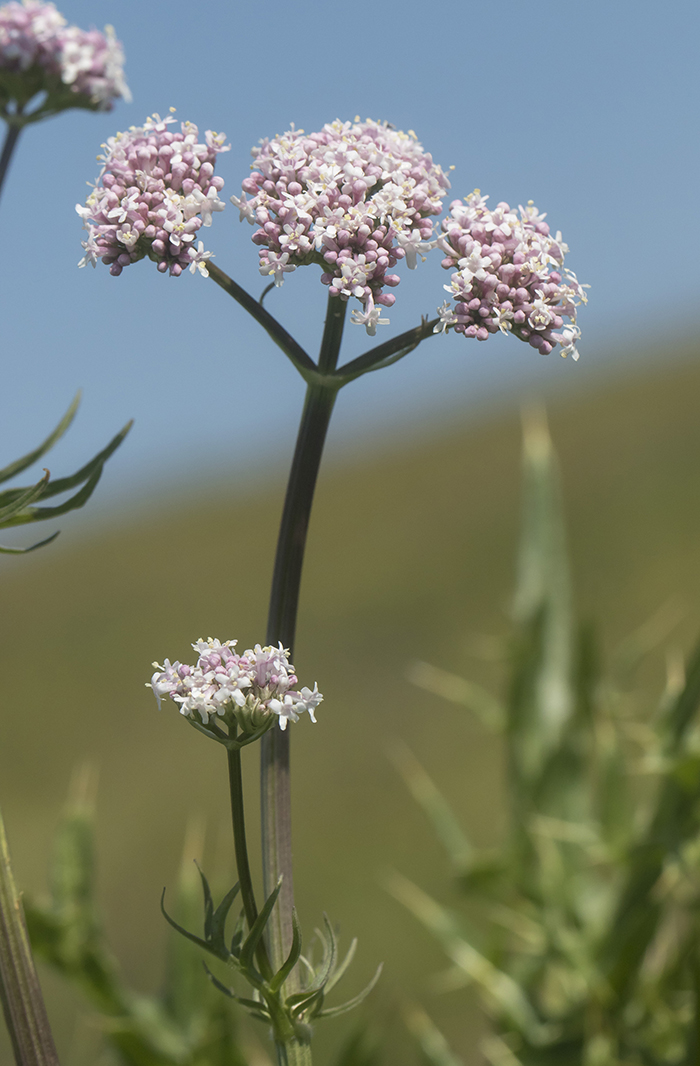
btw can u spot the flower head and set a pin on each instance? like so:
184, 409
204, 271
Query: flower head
509, 276
354, 198
156, 189
40, 53
248, 692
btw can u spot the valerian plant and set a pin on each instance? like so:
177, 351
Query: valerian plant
354, 199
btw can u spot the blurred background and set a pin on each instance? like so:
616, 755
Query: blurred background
588, 109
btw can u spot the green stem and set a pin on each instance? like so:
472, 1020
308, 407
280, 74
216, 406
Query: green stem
235, 776
11, 138
291, 348
284, 602
293, 1054
20, 992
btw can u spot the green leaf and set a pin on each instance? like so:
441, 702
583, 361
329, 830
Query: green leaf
21, 464
350, 1004
25, 497
63, 484
218, 921
542, 700
23, 551
504, 994
435, 806
253, 938
40, 514
190, 936
431, 1041
294, 952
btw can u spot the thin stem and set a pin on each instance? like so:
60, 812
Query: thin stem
375, 356
284, 602
291, 348
11, 138
235, 776
20, 993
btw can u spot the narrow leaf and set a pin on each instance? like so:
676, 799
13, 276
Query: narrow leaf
218, 921
208, 904
21, 464
190, 936
499, 988
40, 514
253, 938
63, 484
293, 957
432, 1042
342, 969
26, 497
23, 551
350, 1004
435, 806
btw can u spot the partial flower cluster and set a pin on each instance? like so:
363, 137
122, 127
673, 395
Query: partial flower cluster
251, 688
156, 189
354, 198
508, 275
39, 52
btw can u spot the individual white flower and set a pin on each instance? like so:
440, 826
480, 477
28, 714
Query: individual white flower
245, 208
276, 267
369, 317
199, 259
414, 246
447, 317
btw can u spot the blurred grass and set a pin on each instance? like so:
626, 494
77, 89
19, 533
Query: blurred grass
411, 556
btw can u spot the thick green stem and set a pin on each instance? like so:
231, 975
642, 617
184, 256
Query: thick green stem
11, 137
293, 1054
284, 602
22, 1001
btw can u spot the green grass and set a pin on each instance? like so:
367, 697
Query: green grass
411, 556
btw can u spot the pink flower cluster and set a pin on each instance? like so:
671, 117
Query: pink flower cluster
508, 275
253, 687
354, 198
39, 52
156, 189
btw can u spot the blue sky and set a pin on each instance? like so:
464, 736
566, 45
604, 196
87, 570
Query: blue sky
589, 109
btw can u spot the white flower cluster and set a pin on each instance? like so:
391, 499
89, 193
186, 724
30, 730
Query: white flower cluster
509, 276
39, 52
156, 190
355, 198
251, 688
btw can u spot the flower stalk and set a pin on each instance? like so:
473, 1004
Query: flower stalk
275, 782
11, 137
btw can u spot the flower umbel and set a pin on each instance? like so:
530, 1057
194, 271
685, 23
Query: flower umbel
509, 276
40, 53
156, 189
249, 692
354, 198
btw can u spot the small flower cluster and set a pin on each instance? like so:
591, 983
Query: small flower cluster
354, 198
251, 688
509, 276
156, 189
39, 52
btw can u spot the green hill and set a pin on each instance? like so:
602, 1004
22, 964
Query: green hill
411, 555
